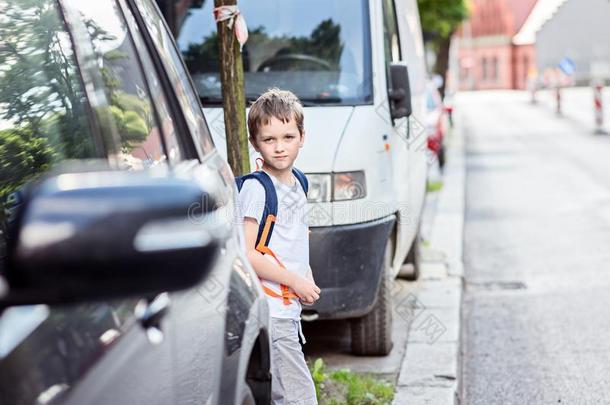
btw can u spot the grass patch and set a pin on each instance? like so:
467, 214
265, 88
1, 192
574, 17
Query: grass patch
346, 387
434, 186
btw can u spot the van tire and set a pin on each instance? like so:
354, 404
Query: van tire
257, 382
372, 333
411, 269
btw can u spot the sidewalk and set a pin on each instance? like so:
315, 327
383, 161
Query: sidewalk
429, 372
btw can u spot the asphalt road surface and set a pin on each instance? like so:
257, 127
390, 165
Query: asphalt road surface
536, 313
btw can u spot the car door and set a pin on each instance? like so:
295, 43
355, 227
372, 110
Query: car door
198, 315
72, 89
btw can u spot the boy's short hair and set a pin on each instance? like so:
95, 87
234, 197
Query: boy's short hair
281, 104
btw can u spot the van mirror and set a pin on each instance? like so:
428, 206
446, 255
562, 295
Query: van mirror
400, 91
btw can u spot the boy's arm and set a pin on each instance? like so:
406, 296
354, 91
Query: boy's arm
268, 270
264, 268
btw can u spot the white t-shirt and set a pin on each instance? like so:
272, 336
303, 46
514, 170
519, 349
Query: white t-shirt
290, 238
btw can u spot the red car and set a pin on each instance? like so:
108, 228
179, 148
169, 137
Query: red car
436, 123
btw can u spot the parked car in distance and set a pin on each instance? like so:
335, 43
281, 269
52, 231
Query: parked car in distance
122, 273
437, 123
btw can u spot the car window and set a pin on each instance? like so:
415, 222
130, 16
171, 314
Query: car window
45, 120
121, 95
43, 109
390, 31
177, 74
391, 42
174, 144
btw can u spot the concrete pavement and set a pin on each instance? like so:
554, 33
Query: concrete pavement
430, 369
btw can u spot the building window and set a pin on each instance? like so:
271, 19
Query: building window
484, 68
494, 68
463, 74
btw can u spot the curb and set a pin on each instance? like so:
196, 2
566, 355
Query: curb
430, 369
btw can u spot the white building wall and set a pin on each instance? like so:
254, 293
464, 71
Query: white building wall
580, 30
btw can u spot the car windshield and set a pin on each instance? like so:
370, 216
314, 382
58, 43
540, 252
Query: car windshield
319, 49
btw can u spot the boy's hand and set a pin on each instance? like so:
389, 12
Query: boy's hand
308, 276
306, 289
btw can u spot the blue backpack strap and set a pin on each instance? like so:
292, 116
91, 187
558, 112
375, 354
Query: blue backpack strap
302, 179
270, 200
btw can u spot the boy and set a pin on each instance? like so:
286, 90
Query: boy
275, 123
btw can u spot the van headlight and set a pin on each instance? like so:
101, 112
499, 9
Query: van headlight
342, 186
349, 186
319, 187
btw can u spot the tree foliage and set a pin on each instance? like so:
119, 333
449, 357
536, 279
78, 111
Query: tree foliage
22, 156
440, 18
324, 43
38, 77
41, 101
43, 114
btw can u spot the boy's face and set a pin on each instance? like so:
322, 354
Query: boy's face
279, 143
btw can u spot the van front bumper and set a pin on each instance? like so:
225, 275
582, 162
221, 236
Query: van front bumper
347, 263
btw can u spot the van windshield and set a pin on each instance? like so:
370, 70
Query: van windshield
319, 49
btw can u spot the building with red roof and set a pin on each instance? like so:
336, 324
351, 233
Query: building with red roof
488, 57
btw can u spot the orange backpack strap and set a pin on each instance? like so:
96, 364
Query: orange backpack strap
286, 295
263, 247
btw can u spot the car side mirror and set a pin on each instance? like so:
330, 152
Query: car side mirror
400, 91
102, 235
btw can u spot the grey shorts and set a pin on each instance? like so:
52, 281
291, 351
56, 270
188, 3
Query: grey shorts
291, 382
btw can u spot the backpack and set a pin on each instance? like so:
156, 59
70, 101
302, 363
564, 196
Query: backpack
265, 228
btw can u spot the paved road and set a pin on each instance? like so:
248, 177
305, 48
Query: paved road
537, 255
577, 105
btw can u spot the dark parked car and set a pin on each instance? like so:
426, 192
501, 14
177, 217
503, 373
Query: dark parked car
122, 277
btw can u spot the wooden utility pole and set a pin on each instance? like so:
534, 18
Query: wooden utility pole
233, 97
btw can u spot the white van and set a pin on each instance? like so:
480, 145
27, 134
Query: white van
364, 156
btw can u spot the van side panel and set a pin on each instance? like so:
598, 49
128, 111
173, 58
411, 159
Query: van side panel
413, 53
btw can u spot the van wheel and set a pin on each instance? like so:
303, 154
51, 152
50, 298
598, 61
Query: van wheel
411, 269
372, 334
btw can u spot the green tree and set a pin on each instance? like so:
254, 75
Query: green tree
324, 43
440, 19
204, 56
33, 36
42, 103
22, 156
41, 100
